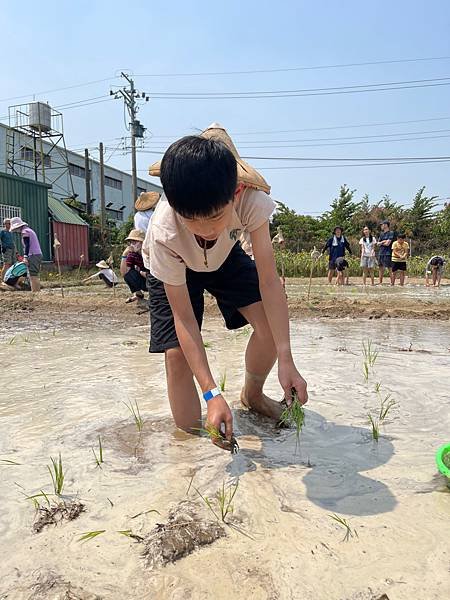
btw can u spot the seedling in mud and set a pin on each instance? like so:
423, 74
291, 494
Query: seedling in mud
366, 371
378, 387
222, 381
370, 355
130, 534
375, 422
35, 501
349, 532
207, 345
99, 457
9, 462
57, 474
136, 414
90, 535
221, 505
146, 512
293, 415
218, 438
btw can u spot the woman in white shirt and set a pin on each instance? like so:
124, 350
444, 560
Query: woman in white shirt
368, 245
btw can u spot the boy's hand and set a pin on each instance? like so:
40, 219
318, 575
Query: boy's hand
219, 412
290, 378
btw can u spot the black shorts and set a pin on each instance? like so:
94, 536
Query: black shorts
398, 266
234, 285
385, 261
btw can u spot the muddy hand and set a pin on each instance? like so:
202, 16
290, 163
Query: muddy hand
290, 379
219, 414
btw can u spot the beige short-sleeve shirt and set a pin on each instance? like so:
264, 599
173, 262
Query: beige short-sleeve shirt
169, 247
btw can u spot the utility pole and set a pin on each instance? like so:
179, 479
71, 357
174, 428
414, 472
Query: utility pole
87, 180
102, 193
129, 95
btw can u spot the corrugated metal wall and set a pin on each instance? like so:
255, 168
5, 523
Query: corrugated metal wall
74, 243
32, 198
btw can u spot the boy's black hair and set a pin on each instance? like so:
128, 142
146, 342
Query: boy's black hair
401, 236
199, 176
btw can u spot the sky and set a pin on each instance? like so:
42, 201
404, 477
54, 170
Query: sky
197, 47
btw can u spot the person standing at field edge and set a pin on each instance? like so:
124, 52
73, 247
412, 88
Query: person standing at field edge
336, 246
7, 247
32, 253
385, 241
400, 250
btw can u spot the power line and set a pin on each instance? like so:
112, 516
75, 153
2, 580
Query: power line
376, 164
68, 87
303, 68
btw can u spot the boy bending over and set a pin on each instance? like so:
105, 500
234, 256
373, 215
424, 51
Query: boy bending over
192, 246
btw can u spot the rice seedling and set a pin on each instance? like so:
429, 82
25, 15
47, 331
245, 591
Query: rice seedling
57, 474
34, 499
9, 462
375, 427
222, 381
207, 345
378, 387
90, 535
130, 534
386, 405
12, 340
218, 438
349, 532
99, 458
370, 355
221, 505
293, 414
146, 512
136, 414
366, 371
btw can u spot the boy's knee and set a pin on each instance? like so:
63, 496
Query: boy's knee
175, 359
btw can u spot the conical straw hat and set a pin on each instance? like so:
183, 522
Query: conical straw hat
147, 200
246, 173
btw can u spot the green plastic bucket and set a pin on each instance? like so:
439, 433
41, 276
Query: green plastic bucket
443, 457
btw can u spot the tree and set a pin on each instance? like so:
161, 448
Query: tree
342, 212
419, 218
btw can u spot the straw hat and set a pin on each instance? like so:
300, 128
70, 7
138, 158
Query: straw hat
136, 235
147, 200
246, 174
103, 265
16, 223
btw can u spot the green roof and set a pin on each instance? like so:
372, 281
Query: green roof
62, 213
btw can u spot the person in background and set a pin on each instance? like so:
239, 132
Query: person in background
132, 265
7, 247
368, 244
385, 241
341, 271
145, 207
106, 274
14, 277
336, 246
400, 250
32, 255
279, 243
435, 268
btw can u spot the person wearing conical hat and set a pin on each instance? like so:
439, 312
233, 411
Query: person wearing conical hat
145, 207
211, 196
106, 274
132, 265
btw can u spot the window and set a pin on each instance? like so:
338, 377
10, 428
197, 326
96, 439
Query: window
114, 183
8, 212
77, 170
116, 215
140, 190
30, 155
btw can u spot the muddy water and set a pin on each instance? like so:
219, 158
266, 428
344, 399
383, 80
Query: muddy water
67, 388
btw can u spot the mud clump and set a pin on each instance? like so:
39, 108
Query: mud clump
64, 511
184, 532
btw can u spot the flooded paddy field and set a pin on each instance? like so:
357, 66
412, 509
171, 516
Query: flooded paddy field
68, 382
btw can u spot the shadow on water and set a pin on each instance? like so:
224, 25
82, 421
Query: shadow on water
334, 457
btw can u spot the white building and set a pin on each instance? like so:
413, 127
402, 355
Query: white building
27, 163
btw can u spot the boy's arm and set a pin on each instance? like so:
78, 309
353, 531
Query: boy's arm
275, 306
191, 343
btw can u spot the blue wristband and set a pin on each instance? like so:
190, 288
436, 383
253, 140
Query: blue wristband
211, 394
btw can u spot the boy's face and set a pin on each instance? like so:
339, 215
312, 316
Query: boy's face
7, 224
210, 228
401, 241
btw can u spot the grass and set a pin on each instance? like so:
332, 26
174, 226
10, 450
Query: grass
378, 387
57, 474
366, 371
221, 504
136, 414
35, 501
386, 405
9, 462
294, 415
222, 381
370, 355
99, 458
90, 535
349, 532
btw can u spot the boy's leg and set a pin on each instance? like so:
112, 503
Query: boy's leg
402, 278
364, 275
381, 273
372, 276
330, 275
183, 396
260, 356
